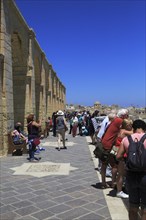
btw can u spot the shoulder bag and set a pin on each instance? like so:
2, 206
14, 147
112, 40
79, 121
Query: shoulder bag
100, 152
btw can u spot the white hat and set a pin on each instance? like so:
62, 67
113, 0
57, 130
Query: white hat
60, 112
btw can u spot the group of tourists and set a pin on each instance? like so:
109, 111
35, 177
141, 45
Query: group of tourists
123, 142
113, 131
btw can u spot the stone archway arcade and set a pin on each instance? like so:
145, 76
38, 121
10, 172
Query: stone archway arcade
28, 82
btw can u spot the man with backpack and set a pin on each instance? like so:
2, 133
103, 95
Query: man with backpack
135, 148
61, 127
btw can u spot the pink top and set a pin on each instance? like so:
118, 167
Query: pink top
125, 141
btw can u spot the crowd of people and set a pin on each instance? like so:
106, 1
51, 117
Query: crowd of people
114, 134
112, 130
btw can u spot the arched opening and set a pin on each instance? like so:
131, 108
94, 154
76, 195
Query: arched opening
19, 69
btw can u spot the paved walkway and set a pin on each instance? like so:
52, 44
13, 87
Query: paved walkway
64, 185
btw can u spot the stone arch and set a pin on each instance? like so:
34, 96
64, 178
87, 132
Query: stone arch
19, 70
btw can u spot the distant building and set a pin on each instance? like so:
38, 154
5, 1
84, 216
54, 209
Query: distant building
97, 104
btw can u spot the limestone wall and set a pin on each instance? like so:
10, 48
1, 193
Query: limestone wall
28, 82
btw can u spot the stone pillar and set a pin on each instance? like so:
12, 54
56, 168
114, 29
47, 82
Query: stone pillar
63, 100
49, 101
42, 107
57, 107
61, 96
30, 79
6, 87
53, 96
59, 93
1, 105
54, 92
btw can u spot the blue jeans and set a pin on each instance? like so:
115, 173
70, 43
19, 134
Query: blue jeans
136, 182
31, 151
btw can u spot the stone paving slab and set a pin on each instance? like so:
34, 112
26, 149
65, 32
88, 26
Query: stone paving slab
69, 195
43, 169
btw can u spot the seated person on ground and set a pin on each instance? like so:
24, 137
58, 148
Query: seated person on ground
18, 137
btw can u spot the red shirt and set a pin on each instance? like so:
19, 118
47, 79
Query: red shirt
111, 134
118, 141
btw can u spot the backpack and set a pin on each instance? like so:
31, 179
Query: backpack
60, 123
136, 157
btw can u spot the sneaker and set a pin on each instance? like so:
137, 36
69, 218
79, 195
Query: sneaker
62, 148
37, 152
41, 148
33, 160
122, 195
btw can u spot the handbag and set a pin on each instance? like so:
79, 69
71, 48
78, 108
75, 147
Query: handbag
100, 152
36, 141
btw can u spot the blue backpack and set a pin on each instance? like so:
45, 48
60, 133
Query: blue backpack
136, 157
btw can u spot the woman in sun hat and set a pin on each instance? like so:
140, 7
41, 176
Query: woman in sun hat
61, 128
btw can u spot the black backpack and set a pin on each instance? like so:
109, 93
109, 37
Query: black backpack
136, 157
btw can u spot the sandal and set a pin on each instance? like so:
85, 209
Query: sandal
105, 186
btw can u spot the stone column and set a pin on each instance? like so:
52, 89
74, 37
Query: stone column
6, 84
59, 93
55, 92
50, 108
61, 97
64, 95
42, 107
1, 105
30, 79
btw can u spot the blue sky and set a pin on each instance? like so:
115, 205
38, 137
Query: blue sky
96, 47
